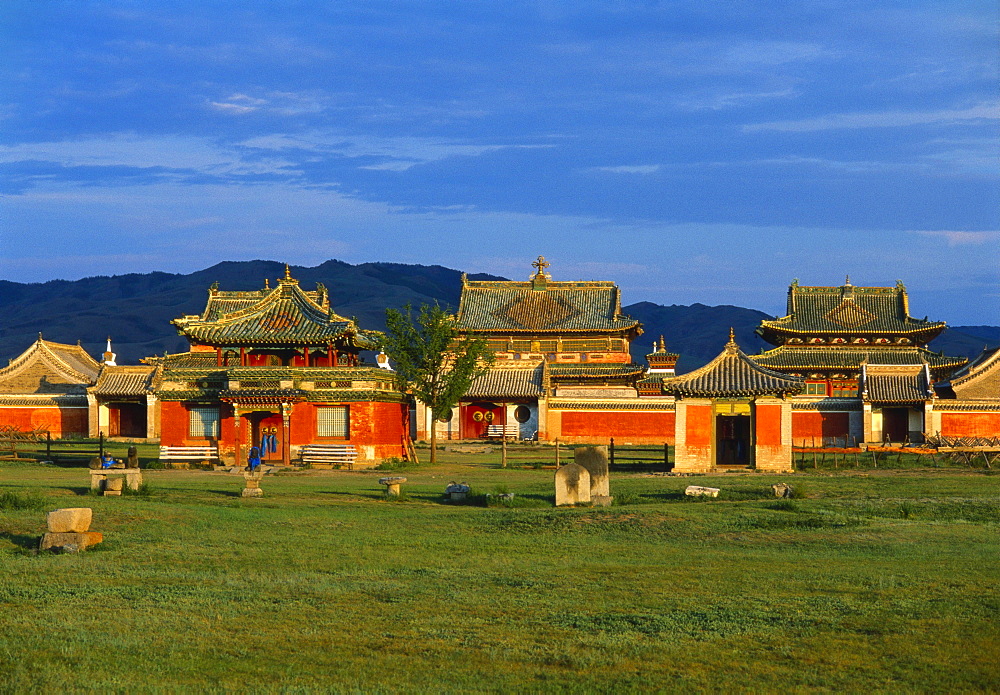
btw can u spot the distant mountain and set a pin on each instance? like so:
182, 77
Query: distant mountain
136, 309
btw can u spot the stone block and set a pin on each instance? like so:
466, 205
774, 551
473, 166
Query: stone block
114, 485
572, 484
699, 491
782, 490
70, 542
253, 492
392, 485
595, 460
601, 500
71, 519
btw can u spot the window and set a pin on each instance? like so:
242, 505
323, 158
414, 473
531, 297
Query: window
333, 421
203, 422
814, 389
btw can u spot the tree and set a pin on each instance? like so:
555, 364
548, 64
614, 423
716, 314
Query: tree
433, 359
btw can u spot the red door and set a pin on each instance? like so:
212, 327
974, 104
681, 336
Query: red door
477, 417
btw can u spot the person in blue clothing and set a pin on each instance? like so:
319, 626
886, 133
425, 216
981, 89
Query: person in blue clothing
107, 462
253, 460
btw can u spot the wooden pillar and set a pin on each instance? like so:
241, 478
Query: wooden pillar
243, 356
335, 359
286, 448
329, 355
305, 356
218, 356
238, 432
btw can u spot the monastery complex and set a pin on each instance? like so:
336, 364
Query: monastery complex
280, 370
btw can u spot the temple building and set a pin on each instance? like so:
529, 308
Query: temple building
868, 373
731, 414
45, 388
563, 367
968, 404
277, 368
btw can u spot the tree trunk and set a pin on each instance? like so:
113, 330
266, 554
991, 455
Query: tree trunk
434, 438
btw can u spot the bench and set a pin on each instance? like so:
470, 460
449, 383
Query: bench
189, 453
329, 455
503, 431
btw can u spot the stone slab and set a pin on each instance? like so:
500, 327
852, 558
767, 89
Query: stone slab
699, 491
70, 542
69, 520
601, 500
253, 492
572, 483
595, 460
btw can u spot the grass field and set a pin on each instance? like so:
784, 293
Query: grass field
874, 581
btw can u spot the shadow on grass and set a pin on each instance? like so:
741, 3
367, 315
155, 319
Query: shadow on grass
227, 493
21, 540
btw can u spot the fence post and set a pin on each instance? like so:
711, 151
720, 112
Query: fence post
503, 457
557, 452
666, 456
48, 446
611, 452
102, 445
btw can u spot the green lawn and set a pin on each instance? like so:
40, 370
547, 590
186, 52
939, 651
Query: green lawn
876, 581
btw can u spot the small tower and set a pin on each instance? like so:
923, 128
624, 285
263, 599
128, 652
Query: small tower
661, 361
109, 357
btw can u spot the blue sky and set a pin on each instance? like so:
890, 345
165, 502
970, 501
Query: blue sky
691, 151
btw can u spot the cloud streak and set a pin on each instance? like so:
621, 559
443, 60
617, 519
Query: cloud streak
883, 119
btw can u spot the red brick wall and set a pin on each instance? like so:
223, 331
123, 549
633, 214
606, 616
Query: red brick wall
584, 426
60, 422
812, 424
768, 425
970, 424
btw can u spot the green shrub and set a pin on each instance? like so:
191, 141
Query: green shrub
155, 465
13, 500
393, 463
799, 491
784, 505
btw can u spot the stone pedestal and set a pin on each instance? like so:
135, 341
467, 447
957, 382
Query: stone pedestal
457, 492
392, 485
113, 487
99, 476
251, 486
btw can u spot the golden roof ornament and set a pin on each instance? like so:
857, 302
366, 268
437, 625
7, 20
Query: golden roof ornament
731, 346
541, 264
267, 284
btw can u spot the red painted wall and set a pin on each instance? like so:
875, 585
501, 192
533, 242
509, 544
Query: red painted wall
768, 425
699, 426
372, 424
813, 424
970, 424
60, 422
628, 425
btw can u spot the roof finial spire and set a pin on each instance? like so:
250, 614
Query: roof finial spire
663, 345
847, 280
267, 284
541, 264
39, 335
288, 273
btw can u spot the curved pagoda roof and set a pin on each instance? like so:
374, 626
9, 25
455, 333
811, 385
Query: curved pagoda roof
799, 358
283, 316
848, 310
731, 375
48, 367
541, 305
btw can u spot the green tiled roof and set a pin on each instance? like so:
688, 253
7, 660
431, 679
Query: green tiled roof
285, 315
595, 370
502, 382
896, 388
848, 310
541, 305
731, 374
804, 357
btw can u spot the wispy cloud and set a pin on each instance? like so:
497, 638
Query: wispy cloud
882, 119
628, 169
961, 238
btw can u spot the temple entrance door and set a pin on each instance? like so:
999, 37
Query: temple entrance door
128, 420
266, 435
477, 417
895, 424
733, 440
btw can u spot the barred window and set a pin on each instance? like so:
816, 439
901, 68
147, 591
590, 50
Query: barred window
203, 422
333, 421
